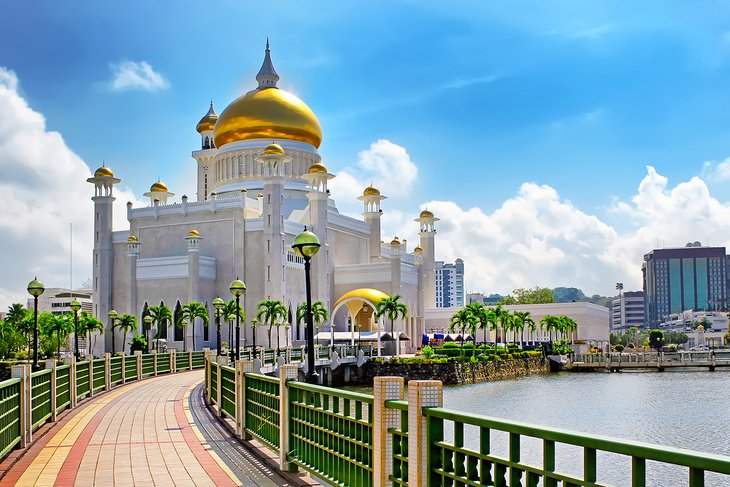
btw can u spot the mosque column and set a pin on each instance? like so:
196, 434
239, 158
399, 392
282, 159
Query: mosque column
427, 234
318, 195
371, 199
103, 254
193, 240
132, 255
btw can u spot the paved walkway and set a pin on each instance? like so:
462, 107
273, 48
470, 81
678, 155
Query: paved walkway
155, 432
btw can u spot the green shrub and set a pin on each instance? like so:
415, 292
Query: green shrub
427, 351
451, 345
468, 345
139, 342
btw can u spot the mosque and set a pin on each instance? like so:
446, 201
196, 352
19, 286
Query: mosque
261, 181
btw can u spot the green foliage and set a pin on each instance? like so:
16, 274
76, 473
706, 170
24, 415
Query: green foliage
427, 352
450, 345
656, 339
568, 294
676, 337
190, 313
139, 342
619, 348
536, 295
271, 312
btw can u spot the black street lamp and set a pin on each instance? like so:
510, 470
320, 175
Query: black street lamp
254, 322
35, 289
219, 304
112, 323
75, 307
306, 245
237, 289
147, 329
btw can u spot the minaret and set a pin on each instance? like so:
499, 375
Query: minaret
318, 195
427, 233
193, 239
103, 260
395, 266
158, 193
133, 244
371, 199
205, 156
272, 161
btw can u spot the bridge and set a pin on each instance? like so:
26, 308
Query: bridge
659, 361
188, 419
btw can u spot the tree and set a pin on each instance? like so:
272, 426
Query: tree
161, 318
190, 312
656, 339
506, 321
229, 314
461, 321
392, 308
87, 325
494, 317
270, 312
127, 323
56, 326
523, 319
482, 317
21, 319
536, 295
568, 294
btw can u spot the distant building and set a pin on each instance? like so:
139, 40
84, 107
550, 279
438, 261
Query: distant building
691, 277
627, 312
450, 284
491, 300
58, 300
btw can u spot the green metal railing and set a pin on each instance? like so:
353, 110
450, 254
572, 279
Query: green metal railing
331, 433
296, 355
400, 443
115, 370
455, 463
213, 383
63, 387
163, 363
148, 364
99, 368
268, 357
198, 359
82, 380
9, 415
227, 383
130, 368
182, 360
261, 400
40, 397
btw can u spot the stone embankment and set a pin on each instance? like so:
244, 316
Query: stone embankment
455, 373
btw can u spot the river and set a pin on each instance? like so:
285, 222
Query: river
681, 408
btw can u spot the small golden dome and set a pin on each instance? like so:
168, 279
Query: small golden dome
103, 172
160, 187
132, 238
418, 250
317, 167
208, 121
426, 214
260, 195
274, 149
193, 233
395, 241
371, 191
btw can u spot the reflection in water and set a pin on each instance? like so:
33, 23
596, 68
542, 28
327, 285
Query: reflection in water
681, 409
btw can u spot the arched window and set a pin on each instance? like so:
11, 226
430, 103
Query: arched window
206, 334
179, 334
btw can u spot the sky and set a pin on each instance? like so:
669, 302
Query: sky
558, 142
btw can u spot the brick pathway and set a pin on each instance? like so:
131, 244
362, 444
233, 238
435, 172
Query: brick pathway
149, 433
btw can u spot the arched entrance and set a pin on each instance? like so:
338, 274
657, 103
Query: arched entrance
360, 305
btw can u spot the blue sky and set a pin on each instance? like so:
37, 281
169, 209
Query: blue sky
484, 96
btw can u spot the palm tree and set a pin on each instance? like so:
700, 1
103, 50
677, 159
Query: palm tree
494, 316
271, 311
161, 318
522, 320
506, 321
20, 318
127, 323
191, 311
56, 325
229, 314
87, 325
482, 317
463, 320
319, 313
393, 309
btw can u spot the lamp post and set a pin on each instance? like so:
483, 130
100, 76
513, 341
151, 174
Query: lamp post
254, 322
35, 289
147, 328
75, 307
287, 327
237, 289
112, 321
306, 245
219, 304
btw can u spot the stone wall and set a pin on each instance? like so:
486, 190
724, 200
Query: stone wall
454, 373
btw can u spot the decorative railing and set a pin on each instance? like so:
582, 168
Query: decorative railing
228, 391
261, 401
399, 475
212, 377
29, 400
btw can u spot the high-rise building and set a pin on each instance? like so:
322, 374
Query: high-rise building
627, 310
685, 278
58, 300
450, 284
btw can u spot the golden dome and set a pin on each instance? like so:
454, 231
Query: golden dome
193, 233
208, 121
418, 250
269, 113
160, 187
426, 214
357, 298
260, 195
371, 191
103, 172
395, 241
317, 167
274, 149
132, 238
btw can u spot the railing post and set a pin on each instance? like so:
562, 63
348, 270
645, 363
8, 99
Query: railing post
124, 371
243, 367
286, 372
421, 393
384, 388
138, 358
208, 366
218, 388
107, 371
51, 364
173, 362
91, 377
154, 363
190, 360
21, 372
71, 362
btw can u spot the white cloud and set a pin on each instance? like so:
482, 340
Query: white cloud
44, 189
716, 172
131, 75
